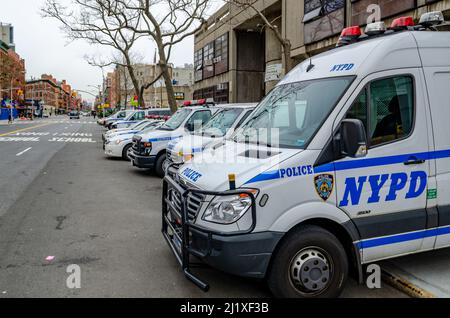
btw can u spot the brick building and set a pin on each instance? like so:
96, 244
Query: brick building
237, 59
55, 97
12, 73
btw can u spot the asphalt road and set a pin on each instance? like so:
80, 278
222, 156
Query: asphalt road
62, 197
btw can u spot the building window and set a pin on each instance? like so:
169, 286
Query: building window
323, 18
221, 54
221, 93
208, 56
198, 65
317, 8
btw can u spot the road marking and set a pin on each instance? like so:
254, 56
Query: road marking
22, 152
23, 129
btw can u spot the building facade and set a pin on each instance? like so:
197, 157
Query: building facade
155, 95
54, 97
238, 59
12, 74
7, 35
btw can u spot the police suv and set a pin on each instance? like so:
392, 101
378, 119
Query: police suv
220, 127
354, 168
149, 150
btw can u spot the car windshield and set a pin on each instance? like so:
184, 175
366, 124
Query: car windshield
219, 124
292, 113
139, 125
176, 120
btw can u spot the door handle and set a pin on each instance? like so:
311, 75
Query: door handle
414, 161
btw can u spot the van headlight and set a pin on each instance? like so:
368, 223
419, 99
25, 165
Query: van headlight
229, 208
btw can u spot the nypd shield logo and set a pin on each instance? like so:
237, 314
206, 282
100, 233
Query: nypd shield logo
324, 185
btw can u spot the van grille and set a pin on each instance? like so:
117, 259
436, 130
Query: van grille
194, 203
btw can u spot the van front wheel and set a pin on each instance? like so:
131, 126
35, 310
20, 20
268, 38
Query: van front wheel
159, 165
310, 263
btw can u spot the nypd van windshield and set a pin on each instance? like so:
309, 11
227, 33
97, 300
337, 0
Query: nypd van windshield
220, 127
346, 162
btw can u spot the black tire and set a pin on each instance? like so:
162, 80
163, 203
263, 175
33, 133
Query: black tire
304, 241
125, 152
159, 165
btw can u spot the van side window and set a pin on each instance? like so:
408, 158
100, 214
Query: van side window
198, 119
391, 109
386, 107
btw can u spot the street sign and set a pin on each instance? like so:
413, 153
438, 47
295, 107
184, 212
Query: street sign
179, 95
273, 72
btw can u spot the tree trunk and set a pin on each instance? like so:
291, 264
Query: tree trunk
135, 84
288, 63
167, 79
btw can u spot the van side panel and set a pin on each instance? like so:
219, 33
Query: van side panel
438, 82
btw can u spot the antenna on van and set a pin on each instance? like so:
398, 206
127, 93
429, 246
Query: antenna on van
310, 66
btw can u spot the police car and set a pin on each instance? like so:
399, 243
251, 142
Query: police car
119, 144
344, 178
139, 115
220, 127
149, 150
120, 115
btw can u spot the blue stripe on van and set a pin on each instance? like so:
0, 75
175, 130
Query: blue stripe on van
359, 163
403, 237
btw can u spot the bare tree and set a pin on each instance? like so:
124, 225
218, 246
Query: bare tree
100, 22
167, 23
270, 24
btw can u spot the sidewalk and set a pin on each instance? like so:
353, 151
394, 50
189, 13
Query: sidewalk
425, 274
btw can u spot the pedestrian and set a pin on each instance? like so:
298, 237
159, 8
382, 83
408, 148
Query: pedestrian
10, 119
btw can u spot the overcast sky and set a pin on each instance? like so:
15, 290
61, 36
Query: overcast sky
46, 51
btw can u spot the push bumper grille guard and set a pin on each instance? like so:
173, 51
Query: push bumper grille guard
183, 252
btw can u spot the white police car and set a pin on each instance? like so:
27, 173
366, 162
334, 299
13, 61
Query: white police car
346, 162
149, 150
119, 144
120, 115
220, 127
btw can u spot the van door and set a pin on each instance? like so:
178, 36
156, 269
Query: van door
438, 82
385, 192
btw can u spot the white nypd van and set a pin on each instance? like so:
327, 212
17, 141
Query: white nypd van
149, 150
359, 170
220, 127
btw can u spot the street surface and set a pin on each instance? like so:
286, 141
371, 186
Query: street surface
61, 197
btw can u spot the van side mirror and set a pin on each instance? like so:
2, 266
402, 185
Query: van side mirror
353, 138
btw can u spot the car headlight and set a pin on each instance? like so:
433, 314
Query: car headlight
229, 208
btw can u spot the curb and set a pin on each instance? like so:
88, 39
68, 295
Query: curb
404, 285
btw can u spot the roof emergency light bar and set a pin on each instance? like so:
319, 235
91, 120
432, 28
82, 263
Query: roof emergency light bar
199, 102
353, 34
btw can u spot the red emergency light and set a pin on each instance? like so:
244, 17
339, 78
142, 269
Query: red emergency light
187, 103
349, 35
402, 23
201, 101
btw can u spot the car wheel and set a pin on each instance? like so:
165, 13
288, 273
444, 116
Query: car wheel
126, 151
159, 166
309, 263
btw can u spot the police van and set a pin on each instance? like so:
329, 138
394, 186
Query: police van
220, 127
149, 150
359, 170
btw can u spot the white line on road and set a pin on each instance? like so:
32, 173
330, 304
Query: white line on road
22, 152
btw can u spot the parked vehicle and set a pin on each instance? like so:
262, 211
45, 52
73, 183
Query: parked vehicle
119, 144
135, 126
358, 173
149, 150
220, 127
122, 114
74, 114
159, 113
138, 116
